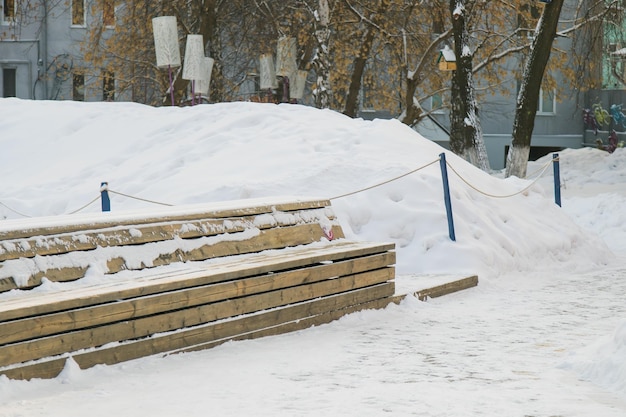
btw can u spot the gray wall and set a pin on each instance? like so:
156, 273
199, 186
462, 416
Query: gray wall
45, 40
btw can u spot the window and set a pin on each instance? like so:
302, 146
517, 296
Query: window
8, 10
436, 103
108, 13
78, 12
9, 88
78, 86
547, 101
108, 86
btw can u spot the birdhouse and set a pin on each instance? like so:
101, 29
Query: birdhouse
447, 59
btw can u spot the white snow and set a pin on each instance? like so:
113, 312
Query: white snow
541, 335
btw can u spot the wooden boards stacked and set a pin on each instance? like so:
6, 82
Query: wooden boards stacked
60, 250
273, 268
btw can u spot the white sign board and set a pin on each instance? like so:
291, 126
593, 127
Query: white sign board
286, 50
166, 41
296, 86
267, 72
194, 54
202, 85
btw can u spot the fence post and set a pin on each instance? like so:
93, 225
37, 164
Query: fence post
446, 195
557, 179
104, 196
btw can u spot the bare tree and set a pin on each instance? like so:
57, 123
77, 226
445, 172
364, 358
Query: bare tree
528, 97
321, 60
372, 22
466, 134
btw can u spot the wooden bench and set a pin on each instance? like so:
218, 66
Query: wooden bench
132, 285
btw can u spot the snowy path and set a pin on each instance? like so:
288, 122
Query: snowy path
495, 350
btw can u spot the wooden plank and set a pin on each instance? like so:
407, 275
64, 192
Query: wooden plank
68, 320
49, 368
447, 288
70, 273
292, 317
242, 325
275, 238
26, 228
149, 282
291, 326
148, 233
88, 338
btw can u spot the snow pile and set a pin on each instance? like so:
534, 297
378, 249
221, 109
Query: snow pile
550, 288
603, 362
56, 154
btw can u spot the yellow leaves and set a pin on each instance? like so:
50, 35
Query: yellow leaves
242, 32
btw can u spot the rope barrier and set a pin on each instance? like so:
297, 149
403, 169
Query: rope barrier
499, 196
541, 171
386, 182
13, 210
140, 199
85, 206
543, 168
88, 204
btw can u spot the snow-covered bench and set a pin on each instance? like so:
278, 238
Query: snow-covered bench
134, 284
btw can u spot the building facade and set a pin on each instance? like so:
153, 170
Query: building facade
40, 50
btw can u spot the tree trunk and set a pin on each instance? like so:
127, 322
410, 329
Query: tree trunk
457, 110
358, 69
321, 62
528, 97
413, 111
465, 130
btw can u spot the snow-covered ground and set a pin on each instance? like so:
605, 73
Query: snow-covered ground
543, 334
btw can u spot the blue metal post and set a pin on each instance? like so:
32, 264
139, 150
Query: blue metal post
446, 195
104, 196
557, 179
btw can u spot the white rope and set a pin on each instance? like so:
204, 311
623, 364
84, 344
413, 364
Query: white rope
542, 169
90, 203
499, 196
13, 210
139, 198
385, 182
85, 206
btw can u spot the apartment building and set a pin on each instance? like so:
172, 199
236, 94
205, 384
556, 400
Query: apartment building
40, 50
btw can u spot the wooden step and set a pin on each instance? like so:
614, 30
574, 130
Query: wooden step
177, 279
71, 224
94, 312
274, 321
160, 254
145, 283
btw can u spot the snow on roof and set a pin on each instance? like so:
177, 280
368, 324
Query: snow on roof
448, 54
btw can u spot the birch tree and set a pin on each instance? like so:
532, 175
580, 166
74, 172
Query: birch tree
321, 62
528, 97
466, 134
